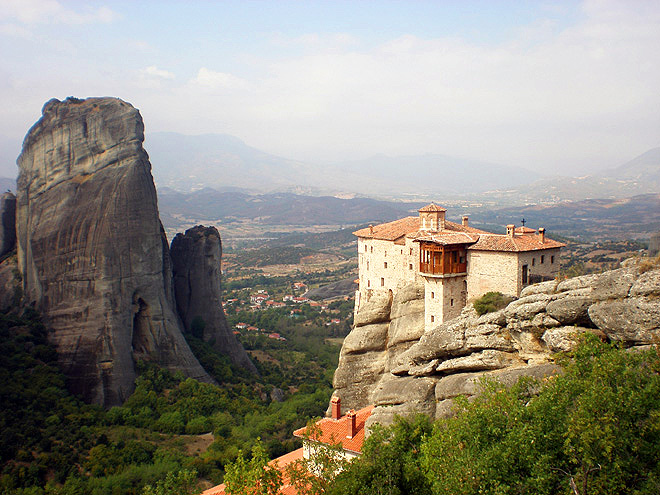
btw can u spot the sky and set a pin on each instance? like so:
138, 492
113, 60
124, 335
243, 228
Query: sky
554, 86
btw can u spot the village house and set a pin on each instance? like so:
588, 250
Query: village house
344, 435
454, 262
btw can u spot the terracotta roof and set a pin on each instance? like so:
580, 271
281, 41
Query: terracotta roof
280, 463
432, 207
525, 230
517, 243
390, 231
448, 238
334, 431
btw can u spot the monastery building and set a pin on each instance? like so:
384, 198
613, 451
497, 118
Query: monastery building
456, 263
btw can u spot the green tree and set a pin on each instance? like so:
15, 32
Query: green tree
254, 476
179, 483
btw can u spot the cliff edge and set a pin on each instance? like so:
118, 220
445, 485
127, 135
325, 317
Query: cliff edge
389, 361
91, 248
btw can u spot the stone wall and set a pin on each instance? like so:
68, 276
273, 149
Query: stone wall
492, 271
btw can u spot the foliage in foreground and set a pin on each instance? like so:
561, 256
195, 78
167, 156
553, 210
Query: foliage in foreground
595, 429
491, 301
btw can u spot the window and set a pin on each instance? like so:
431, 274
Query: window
542, 258
454, 256
410, 266
552, 259
533, 261
382, 282
368, 283
367, 265
411, 251
365, 248
386, 254
432, 318
372, 249
451, 302
385, 265
402, 251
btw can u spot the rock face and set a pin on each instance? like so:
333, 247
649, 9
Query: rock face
196, 263
91, 248
7, 223
390, 362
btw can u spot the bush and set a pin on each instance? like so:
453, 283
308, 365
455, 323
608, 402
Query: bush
491, 301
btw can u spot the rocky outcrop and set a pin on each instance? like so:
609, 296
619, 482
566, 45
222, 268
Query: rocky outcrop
92, 251
7, 223
196, 264
431, 369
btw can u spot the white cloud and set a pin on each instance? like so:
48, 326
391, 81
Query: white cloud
153, 71
52, 11
15, 31
218, 80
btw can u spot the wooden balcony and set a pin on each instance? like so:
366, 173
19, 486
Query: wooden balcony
439, 260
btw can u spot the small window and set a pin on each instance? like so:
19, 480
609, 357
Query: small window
386, 254
533, 261
410, 250
372, 249
542, 258
385, 265
402, 251
451, 302
365, 248
432, 295
454, 256
368, 283
552, 259
382, 282
410, 266
432, 318
367, 265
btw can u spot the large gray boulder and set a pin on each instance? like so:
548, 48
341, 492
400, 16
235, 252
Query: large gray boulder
7, 223
519, 340
92, 250
196, 266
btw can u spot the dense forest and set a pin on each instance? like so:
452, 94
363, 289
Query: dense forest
170, 428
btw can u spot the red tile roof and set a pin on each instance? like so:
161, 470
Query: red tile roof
517, 243
525, 230
432, 207
446, 238
390, 231
280, 463
335, 431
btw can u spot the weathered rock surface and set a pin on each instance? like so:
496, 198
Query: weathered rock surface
10, 284
92, 251
519, 340
7, 223
196, 266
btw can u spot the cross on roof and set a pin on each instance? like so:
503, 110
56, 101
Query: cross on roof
523, 222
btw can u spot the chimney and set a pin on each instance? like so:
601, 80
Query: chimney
371, 229
352, 429
464, 221
542, 235
510, 229
336, 407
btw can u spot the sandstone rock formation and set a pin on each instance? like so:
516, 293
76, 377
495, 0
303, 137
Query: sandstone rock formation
196, 263
91, 248
391, 363
7, 223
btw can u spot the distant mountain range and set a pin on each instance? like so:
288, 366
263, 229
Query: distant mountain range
221, 161
274, 208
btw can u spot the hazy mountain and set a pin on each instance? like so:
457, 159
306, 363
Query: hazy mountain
645, 168
220, 161
274, 208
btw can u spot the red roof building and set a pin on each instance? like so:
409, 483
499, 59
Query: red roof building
454, 262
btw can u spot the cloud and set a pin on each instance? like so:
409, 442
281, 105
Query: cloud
15, 31
153, 71
217, 80
51, 11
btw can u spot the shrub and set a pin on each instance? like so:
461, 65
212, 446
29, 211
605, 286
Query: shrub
491, 301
